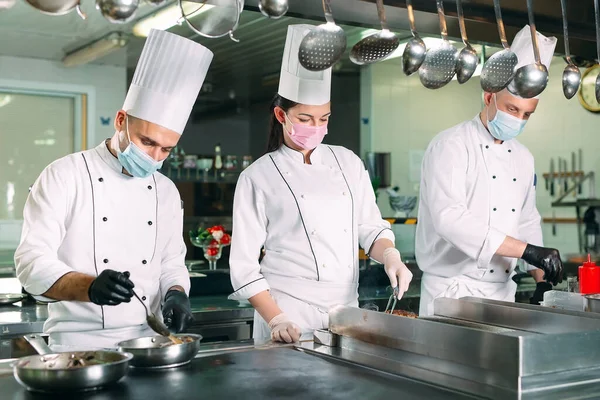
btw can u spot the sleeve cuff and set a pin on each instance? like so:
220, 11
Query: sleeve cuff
44, 279
250, 289
178, 279
492, 243
385, 233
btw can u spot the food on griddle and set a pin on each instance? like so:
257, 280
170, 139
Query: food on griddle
403, 313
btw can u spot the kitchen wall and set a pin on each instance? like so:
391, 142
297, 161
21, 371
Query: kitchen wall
106, 89
403, 117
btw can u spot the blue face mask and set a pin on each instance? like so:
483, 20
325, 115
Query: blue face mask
504, 126
135, 160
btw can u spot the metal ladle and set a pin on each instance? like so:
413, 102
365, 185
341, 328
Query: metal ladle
439, 65
467, 58
377, 46
273, 8
499, 69
530, 80
571, 78
597, 11
156, 325
415, 50
323, 46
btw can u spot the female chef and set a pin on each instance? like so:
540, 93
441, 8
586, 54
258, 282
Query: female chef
309, 205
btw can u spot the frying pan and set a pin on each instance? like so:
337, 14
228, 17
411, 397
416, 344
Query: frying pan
160, 352
10, 298
69, 371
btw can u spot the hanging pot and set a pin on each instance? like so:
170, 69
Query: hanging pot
57, 7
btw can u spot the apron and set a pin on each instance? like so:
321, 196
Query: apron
433, 287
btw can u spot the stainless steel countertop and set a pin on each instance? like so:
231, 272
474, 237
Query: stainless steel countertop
274, 373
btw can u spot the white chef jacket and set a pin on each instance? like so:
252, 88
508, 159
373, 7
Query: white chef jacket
310, 218
474, 193
83, 214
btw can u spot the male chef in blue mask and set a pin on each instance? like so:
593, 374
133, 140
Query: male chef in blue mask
103, 223
477, 207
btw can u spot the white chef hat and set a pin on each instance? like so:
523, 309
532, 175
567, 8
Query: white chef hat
296, 83
167, 80
523, 48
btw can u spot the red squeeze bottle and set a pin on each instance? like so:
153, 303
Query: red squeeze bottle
589, 277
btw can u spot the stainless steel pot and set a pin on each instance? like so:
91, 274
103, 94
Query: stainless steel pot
69, 371
593, 303
157, 352
57, 7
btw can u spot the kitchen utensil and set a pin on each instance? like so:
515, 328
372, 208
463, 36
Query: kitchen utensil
118, 11
467, 58
392, 301
11, 298
273, 8
593, 302
530, 80
597, 18
323, 46
214, 20
58, 7
553, 223
552, 177
377, 46
560, 177
69, 371
415, 50
580, 160
439, 65
571, 78
158, 352
499, 69
574, 169
155, 324
566, 175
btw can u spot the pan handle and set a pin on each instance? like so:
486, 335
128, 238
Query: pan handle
38, 343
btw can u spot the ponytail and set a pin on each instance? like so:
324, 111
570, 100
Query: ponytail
275, 140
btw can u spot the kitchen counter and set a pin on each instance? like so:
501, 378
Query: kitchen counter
277, 373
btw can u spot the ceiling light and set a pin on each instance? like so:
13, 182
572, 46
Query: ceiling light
168, 17
95, 50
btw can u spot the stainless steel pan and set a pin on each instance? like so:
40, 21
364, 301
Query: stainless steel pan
69, 371
10, 298
160, 351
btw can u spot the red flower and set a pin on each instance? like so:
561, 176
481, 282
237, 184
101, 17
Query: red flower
213, 243
226, 239
212, 251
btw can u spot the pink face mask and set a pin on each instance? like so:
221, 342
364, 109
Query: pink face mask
305, 136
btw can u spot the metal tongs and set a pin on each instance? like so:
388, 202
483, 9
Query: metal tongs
392, 301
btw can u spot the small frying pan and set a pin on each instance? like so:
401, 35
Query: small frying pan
160, 351
69, 371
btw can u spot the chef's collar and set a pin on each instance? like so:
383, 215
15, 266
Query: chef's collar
316, 156
107, 156
484, 135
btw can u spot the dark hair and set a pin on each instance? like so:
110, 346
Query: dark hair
275, 140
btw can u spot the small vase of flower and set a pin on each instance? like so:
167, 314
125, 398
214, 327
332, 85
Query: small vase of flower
211, 240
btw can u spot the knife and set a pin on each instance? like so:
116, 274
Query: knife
560, 176
553, 223
552, 177
580, 166
574, 168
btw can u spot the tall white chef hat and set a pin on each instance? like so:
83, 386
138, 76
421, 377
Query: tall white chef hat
167, 80
296, 83
523, 48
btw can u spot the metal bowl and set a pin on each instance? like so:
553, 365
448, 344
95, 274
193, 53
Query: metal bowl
593, 302
10, 298
151, 352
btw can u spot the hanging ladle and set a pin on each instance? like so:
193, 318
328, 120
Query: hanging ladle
415, 50
597, 11
499, 69
377, 46
530, 80
571, 78
467, 58
439, 65
323, 46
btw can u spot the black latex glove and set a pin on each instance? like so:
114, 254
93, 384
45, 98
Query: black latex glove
177, 312
546, 259
111, 288
538, 295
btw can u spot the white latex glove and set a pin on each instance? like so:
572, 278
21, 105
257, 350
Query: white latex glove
400, 276
284, 330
